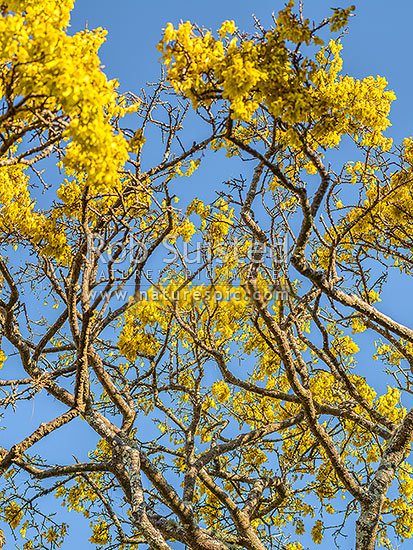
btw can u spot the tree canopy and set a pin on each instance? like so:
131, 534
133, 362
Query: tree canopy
223, 355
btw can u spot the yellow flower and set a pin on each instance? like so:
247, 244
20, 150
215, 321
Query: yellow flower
227, 27
221, 391
100, 533
13, 514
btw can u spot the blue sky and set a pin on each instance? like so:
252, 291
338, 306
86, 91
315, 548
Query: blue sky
379, 43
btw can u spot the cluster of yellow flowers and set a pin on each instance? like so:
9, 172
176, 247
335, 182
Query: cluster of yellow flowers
345, 345
221, 391
388, 405
100, 533
60, 75
17, 214
77, 496
250, 73
385, 215
66, 70
317, 532
13, 514
228, 302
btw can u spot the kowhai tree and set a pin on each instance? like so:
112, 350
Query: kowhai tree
221, 388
